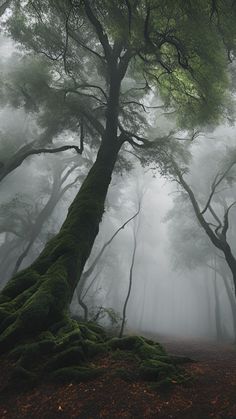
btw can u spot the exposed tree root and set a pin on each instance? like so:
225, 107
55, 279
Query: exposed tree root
64, 353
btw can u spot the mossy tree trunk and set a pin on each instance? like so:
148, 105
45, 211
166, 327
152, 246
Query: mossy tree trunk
39, 295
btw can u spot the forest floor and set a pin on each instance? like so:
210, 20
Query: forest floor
210, 394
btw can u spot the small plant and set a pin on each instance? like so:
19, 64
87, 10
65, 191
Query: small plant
109, 318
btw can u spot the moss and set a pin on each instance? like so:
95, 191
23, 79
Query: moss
92, 348
68, 357
126, 375
13, 333
126, 343
70, 338
47, 304
20, 282
146, 350
5, 312
120, 355
46, 335
139, 345
76, 374
90, 334
29, 352
98, 330
153, 370
58, 326
22, 298
10, 319
22, 374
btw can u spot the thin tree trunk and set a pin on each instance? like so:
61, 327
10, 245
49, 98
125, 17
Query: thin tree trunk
85, 275
56, 195
129, 288
230, 295
219, 241
219, 332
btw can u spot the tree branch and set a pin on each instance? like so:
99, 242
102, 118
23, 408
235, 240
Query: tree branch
226, 220
91, 268
216, 182
99, 29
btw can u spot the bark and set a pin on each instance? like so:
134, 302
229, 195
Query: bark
231, 298
129, 288
218, 240
40, 295
231, 261
230, 295
219, 331
39, 146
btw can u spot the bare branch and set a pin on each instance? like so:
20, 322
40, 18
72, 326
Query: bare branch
4, 6
66, 41
99, 29
216, 218
91, 268
84, 94
133, 102
92, 86
86, 47
216, 182
130, 137
54, 150
226, 220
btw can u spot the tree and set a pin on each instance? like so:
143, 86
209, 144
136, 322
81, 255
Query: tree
212, 211
178, 50
58, 188
135, 233
23, 217
216, 230
86, 274
36, 136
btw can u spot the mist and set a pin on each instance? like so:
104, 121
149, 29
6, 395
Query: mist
173, 290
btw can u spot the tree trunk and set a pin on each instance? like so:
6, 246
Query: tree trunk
219, 331
86, 274
219, 241
232, 302
231, 261
40, 295
129, 288
56, 194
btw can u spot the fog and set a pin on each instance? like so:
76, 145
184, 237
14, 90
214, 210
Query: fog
175, 290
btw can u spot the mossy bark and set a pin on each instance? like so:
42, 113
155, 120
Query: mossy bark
39, 296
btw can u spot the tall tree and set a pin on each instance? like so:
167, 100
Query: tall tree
213, 214
217, 229
93, 48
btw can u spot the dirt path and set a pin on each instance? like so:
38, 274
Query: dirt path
211, 394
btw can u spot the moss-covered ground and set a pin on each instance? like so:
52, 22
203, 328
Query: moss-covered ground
65, 353
119, 391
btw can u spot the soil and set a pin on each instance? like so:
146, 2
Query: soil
211, 393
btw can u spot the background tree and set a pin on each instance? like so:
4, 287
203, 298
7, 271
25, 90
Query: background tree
188, 243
